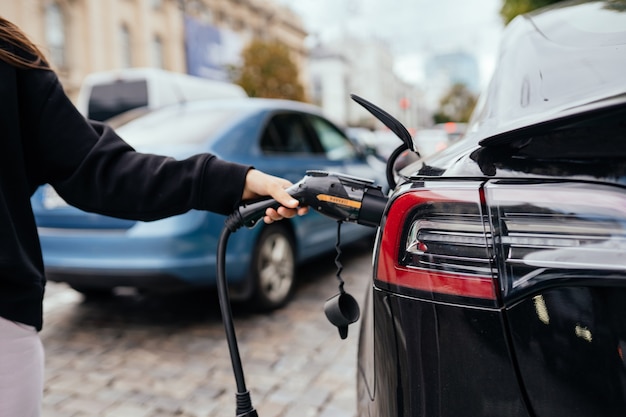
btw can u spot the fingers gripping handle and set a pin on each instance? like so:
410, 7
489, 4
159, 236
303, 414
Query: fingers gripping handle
341, 197
253, 211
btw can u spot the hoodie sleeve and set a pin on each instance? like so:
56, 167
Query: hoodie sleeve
92, 168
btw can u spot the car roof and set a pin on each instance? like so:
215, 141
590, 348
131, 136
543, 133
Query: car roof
554, 65
254, 104
242, 105
194, 122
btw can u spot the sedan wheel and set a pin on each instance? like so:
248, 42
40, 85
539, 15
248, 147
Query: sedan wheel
273, 268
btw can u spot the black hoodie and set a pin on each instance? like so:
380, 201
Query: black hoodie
44, 139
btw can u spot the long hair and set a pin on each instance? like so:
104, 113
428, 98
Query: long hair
11, 35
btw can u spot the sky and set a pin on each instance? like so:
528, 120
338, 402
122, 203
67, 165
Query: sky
414, 29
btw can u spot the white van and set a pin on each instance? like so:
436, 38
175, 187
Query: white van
104, 95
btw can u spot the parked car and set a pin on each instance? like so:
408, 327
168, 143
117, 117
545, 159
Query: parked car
364, 138
107, 94
455, 130
386, 143
382, 143
430, 141
95, 254
499, 271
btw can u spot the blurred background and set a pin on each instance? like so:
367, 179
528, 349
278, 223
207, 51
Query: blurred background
404, 55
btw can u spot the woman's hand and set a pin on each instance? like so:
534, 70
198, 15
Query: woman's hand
260, 184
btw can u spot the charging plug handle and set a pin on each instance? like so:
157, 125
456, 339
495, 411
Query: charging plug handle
339, 196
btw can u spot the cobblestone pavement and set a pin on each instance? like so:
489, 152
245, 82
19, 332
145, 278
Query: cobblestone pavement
167, 356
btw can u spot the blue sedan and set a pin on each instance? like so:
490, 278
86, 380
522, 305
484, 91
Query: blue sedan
95, 254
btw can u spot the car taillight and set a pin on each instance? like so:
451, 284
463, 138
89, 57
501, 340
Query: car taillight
554, 233
436, 244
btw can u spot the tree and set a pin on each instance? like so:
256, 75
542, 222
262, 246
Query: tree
268, 71
512, 8
456, 105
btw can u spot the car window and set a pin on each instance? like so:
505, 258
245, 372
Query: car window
335, 144
287, 133
110, 99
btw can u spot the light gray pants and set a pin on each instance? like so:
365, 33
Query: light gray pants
21, 370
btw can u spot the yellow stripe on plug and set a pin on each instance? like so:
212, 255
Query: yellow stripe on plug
340, 201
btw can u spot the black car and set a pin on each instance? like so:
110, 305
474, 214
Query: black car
499, 277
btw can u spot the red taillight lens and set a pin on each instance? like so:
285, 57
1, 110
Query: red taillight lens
435, 244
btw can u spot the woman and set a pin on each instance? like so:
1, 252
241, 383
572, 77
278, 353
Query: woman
44, 139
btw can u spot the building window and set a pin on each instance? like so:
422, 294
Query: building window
125, 47
157, 52
55, 35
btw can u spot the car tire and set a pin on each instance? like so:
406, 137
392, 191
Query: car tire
273, 268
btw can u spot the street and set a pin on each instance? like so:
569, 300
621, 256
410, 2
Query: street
153, 356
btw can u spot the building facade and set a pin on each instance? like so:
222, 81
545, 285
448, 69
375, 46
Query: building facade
364, 67
84, 36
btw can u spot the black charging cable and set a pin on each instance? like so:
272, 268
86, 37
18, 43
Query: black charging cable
341, 197
244, 401
338, 263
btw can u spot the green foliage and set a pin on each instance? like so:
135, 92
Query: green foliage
268, 71
512, 8
456, 105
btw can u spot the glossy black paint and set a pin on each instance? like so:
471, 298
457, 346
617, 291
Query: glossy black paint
435, 359
554, 114
569, 344
554, 65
